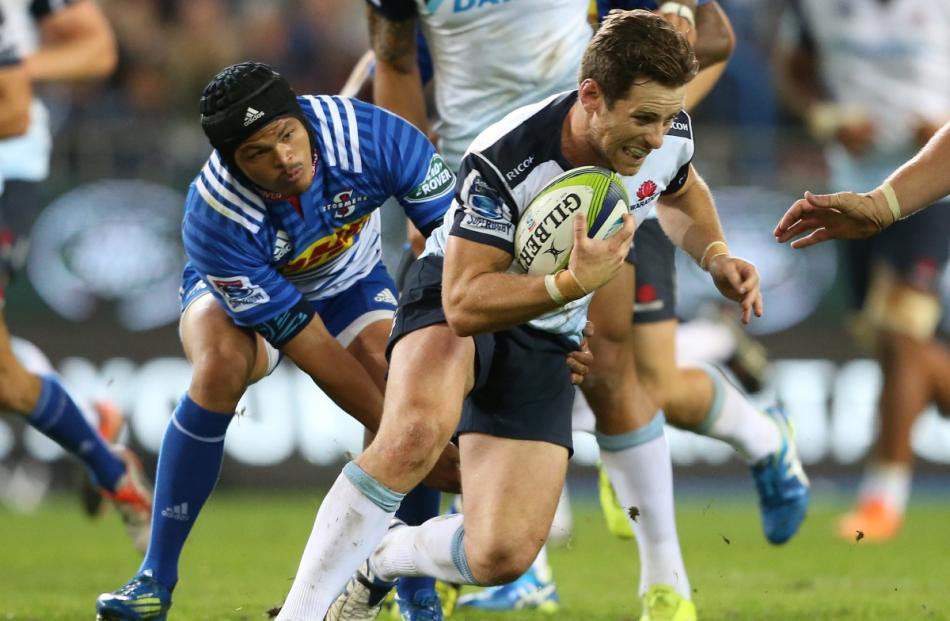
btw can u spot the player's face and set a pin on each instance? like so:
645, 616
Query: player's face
624, 134
278, 157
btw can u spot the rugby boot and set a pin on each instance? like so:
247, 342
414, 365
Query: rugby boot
663, 603
782, 485
617, 521
448, 593
873, 520
529, 591
141, 599
424, 606
362, 599
111, 423
133, 500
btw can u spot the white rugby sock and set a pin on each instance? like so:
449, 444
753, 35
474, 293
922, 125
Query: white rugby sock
639, 467
889, 482
735, 420
541, 566
436, 548
351, 520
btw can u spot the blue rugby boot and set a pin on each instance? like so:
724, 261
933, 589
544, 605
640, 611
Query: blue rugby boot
425, 606
141, 599
530, 591
782, 485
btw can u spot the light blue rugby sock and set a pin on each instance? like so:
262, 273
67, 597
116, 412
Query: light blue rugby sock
189, 463
58, 417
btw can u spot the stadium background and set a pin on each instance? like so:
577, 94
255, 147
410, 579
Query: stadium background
101, 297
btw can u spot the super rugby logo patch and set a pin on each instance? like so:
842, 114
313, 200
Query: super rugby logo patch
238, 292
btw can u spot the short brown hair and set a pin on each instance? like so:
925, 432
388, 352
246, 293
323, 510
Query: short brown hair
632, 46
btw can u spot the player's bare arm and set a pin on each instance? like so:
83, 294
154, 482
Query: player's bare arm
849, 215
78, 44
480, 295
715, 39
397, 85
15, 94
797, 84
337, 373
690, 219
714, 45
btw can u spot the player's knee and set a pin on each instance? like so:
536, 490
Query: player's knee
221, 371
659, 386
500, 562
413, 446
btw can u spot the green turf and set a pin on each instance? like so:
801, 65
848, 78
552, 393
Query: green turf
245, 548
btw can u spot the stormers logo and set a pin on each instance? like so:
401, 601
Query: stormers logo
325, 248
344, 203
439, 181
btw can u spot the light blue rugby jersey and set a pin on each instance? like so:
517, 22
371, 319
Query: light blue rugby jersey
259, 256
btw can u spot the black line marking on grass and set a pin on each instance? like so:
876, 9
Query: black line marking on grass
726, 539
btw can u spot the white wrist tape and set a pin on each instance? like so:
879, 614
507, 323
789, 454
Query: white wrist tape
678, 9
550, 283
892, 202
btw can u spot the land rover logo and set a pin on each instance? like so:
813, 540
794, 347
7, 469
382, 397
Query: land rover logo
111, 242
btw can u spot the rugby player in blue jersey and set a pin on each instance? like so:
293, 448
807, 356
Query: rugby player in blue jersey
282, 232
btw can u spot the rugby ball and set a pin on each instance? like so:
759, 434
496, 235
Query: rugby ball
544, 236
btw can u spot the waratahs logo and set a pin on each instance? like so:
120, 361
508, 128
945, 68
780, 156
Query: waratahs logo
646, 190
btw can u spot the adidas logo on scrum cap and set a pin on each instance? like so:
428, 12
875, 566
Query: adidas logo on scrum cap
251, 115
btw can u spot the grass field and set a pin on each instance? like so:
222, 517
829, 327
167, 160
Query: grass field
246, 547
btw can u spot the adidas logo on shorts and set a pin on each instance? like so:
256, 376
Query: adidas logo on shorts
386, 296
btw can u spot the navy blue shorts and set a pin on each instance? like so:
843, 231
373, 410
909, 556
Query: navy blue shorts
916, 248
523, 387
654, 256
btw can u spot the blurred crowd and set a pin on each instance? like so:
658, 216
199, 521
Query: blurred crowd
168, 50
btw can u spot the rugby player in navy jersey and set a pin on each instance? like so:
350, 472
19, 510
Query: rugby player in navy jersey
468, 330
281, 229
471, 91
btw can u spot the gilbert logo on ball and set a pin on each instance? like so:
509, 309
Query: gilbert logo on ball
544, 236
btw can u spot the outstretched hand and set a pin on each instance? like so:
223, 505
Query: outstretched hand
844, 215
738, 280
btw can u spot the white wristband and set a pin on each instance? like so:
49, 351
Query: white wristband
678, 9
551, 285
